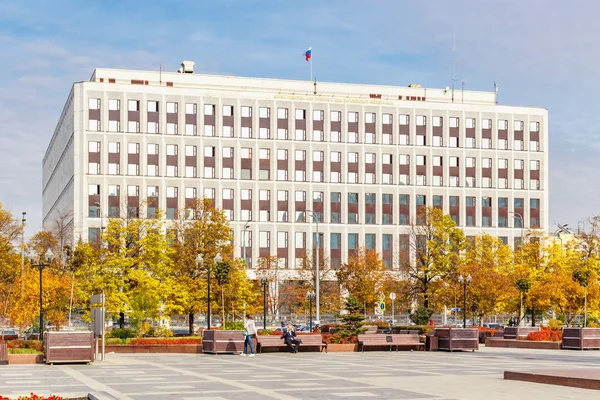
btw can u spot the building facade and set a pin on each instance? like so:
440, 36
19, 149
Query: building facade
277, 156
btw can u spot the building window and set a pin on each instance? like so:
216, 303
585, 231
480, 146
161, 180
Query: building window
421, 119
370, 241
352, 241
282, 113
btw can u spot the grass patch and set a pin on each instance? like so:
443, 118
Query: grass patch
174, 340
23, 351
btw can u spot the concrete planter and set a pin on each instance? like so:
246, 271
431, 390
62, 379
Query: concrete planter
342, 348
25, 359
155, 348
522, 344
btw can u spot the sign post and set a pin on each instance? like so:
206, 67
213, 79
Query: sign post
99, 316
393, 298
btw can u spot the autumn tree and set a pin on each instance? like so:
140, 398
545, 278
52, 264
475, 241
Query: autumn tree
10, 231
363, 276
268, 268
436, 243
329, 288
489, 263
200, 229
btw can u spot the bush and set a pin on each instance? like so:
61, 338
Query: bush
162, 331
330, 338
36, 345
148, 341
555, 324
233, 326
146, 330
325, 327
421, 316
33, 396
545, 335
125, 333
423, 329
266, 332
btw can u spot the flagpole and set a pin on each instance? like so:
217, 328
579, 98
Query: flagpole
311, 61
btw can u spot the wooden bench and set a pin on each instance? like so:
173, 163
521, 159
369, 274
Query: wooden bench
581, 338
313, 340
389, 340
517, 332
457, 338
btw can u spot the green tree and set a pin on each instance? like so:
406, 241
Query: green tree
437, 243
352, 320
222, 276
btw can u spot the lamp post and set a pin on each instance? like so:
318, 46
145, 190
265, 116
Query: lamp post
310, 295
244, 242
317, 311
200, 263
264, 279
23, 220
516, 214
48, 257
464, 281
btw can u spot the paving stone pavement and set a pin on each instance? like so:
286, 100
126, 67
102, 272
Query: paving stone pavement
381, 375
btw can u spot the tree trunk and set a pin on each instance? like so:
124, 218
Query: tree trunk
191, 323
532, 316
122, 320
223, 306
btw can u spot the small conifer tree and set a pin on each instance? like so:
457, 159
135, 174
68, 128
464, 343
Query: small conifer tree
352, 321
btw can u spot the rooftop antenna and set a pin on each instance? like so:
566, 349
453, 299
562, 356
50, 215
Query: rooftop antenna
495, 93
463, 83
160, 75
453, 58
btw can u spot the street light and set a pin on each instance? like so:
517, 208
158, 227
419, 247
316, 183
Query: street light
264, 279
244, 241
310, 295
516, 214
464, 281
317, 312
49, 256
200, 263
23, 220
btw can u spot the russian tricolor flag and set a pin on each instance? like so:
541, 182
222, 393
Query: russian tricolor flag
308, 54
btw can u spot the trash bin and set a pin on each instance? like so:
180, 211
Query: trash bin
3, 353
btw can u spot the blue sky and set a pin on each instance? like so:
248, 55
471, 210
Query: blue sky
541, 53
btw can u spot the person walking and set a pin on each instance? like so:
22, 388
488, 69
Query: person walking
289, 338
250, 333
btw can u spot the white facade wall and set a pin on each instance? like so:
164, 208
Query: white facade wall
256, 93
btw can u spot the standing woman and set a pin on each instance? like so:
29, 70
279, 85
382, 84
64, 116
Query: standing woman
250, 332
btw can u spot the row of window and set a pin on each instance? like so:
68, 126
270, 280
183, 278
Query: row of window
318, 175
317, 115
332, 248
352, 216
173, 171
335, 136
317, 155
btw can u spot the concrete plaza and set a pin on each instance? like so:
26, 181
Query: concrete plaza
383, 375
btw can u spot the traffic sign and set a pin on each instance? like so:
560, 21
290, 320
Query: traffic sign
382, 306
392, 296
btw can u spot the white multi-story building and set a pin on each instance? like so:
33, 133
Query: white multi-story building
362, 158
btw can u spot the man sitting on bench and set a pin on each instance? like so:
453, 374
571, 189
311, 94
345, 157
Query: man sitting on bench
289, 338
